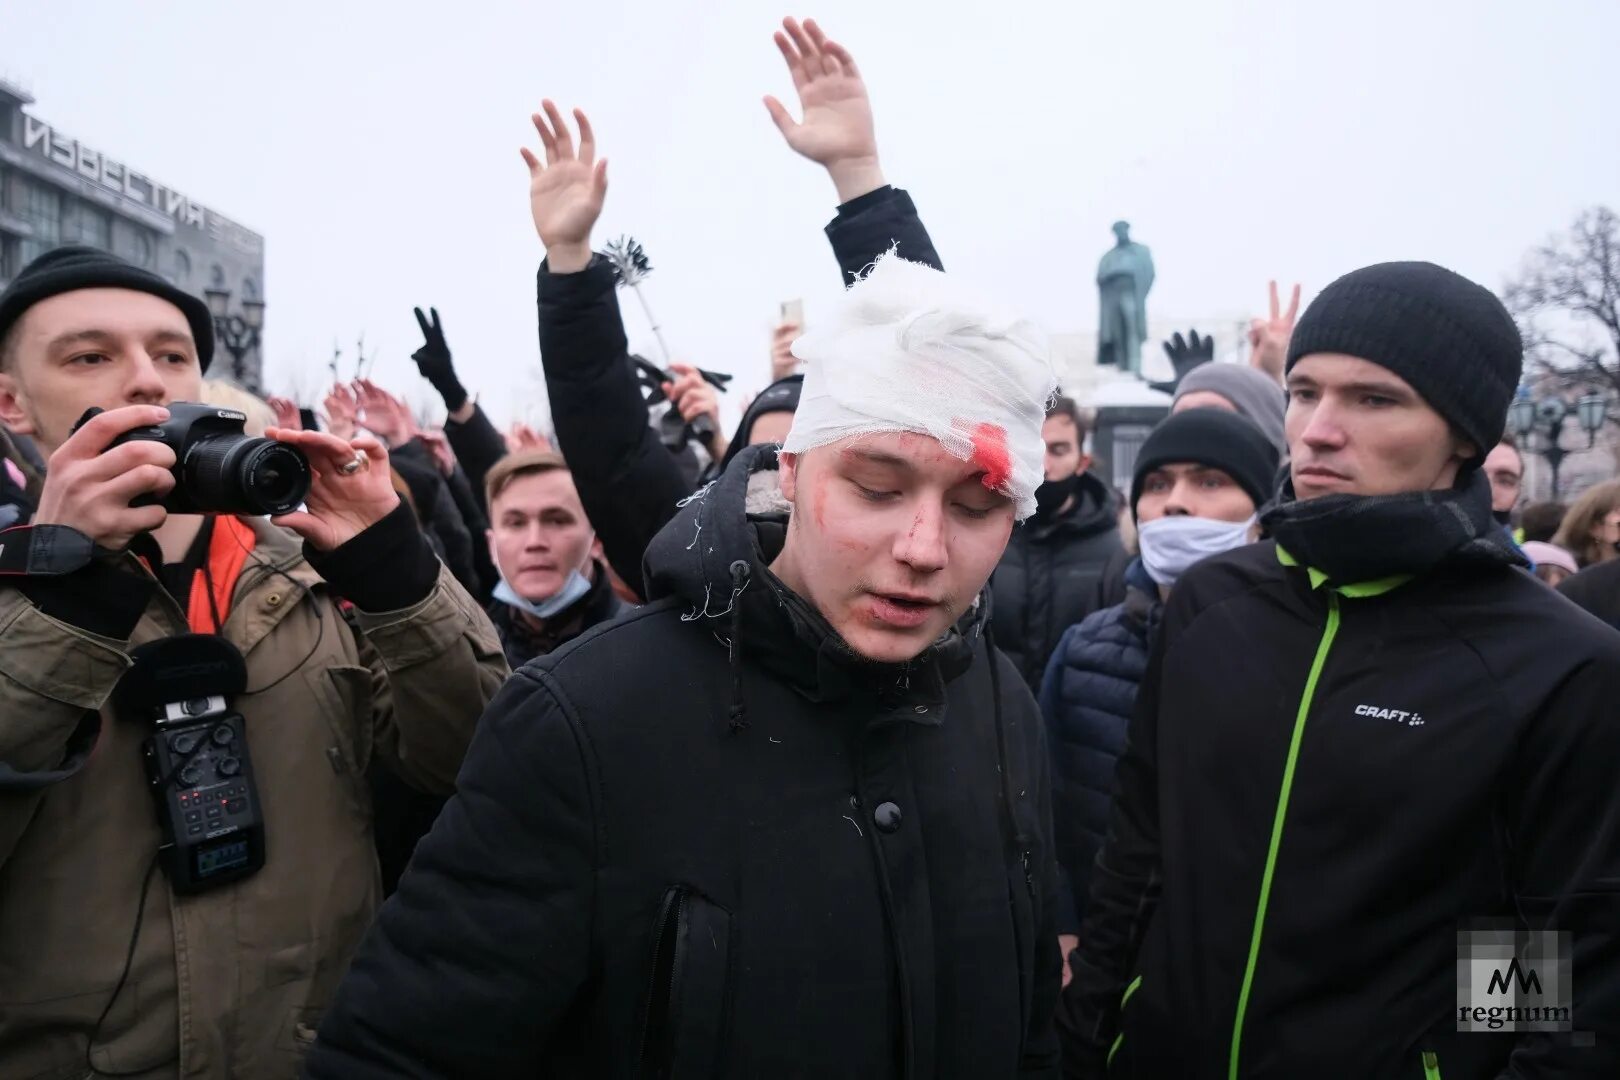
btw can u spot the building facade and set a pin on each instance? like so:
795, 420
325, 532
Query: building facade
55, 190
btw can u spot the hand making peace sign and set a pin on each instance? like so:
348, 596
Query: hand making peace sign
1269, 337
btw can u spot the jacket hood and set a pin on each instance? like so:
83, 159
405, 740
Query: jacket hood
715, 555
781, 396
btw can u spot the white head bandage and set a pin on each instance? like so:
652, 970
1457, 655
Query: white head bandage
909, 350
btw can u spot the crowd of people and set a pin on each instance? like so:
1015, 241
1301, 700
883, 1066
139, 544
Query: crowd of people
878, 736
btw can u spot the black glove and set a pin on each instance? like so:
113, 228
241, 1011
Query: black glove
433, 361
1185, 355
673, 430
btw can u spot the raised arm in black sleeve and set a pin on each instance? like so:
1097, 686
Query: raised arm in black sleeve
440, 515
477, 521
627, 481
478, 447
871, 224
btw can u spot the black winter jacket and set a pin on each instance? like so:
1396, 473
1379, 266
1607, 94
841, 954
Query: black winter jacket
628, 482
440, 517
1320, 788
403, 814
523, 643
478, 446
668, 856
1048, 578
1087, 697
1110, 588
476, 519
1597, 589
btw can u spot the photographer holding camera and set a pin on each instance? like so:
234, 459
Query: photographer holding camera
186, 712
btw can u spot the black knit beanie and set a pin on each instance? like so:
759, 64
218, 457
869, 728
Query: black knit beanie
1451, 339
781, 396
1214, 437
67, 269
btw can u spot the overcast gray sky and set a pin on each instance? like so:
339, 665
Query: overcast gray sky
375, 146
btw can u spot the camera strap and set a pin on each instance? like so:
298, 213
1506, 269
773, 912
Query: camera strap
44, 550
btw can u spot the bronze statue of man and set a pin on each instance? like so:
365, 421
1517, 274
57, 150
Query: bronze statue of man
1123, 279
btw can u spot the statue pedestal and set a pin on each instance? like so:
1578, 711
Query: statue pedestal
1123, 407
1126, 409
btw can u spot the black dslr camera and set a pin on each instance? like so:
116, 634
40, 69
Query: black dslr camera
218, 469
196, 758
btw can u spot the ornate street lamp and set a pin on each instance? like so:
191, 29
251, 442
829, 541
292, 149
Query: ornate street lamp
1539, 426
238, 333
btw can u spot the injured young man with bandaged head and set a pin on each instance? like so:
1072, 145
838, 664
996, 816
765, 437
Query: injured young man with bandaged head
792, 817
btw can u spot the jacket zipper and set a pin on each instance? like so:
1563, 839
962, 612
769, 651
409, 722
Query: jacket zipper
1322, 649
1431, 1065
663, 990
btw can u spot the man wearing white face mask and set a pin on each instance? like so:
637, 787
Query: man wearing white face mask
553, 586
1199, 480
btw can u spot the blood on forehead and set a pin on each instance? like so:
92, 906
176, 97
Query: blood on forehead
990, 453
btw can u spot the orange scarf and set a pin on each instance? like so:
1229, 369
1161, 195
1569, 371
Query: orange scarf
228, 550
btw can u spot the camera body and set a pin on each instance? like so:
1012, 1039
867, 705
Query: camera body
209, 813
196, 758
219, 469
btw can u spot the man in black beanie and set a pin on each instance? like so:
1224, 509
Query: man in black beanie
134, 943
1349, 757
1200, 478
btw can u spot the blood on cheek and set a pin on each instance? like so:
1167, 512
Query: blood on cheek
818, 502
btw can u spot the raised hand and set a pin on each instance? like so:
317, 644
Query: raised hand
1067, 943
342, 411
439, 446
693, 396
433, 361
837, 130
384, 415
1268, 338
783, 362
566, 193
340, 505
1185, 354
286, 414
521, 437
90, 487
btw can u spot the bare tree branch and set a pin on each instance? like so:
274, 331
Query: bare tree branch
1567, 304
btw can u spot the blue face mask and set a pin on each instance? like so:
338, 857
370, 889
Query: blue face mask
573, 590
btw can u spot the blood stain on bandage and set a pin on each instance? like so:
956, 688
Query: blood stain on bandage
990, 453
